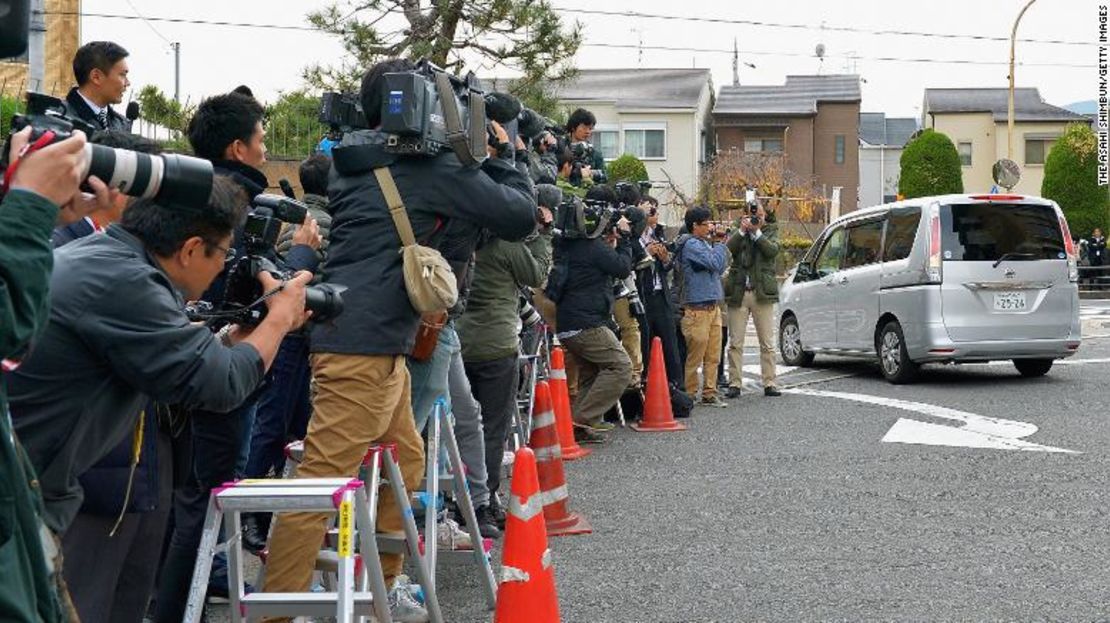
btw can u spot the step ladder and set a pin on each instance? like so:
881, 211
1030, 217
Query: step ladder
359, 585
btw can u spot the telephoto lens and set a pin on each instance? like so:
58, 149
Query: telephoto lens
169, 179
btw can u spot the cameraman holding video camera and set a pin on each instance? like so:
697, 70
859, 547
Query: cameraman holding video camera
363, 384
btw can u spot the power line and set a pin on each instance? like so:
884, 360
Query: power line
177, 20
895, 59
748, 22
147, 22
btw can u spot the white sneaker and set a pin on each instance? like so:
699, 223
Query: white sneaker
451, 536
403, 605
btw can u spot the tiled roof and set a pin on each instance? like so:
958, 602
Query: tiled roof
876, 129
1028, 105
798, 97
637, 88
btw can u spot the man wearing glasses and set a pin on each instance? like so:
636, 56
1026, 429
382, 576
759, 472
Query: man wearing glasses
703, 263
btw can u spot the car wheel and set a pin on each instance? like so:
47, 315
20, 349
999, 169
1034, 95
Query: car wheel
894, 361
1030, 368
790, 344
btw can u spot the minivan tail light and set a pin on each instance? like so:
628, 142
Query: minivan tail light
1069, 248
933, 268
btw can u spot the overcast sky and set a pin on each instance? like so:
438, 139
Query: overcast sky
217, 58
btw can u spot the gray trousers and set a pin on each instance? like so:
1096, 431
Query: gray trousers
494, 384
603, 369
443, 376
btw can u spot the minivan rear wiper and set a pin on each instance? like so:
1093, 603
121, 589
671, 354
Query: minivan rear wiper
1014, 256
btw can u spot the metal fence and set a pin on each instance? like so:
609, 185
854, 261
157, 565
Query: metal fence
1094, 280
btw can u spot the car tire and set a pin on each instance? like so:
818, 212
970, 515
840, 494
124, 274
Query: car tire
790, 344
894, 360
1031, 368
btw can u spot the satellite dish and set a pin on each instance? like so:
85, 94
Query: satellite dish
1006, 173
820, 51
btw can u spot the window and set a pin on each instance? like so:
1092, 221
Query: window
964, 147
840, 149
1036, 150
864, 243
763, 145
646, 141
901, 231
828, 261
984, 232
608, 142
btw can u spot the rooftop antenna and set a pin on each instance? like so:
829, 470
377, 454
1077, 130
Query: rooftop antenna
820, 52
640, 46
735, 64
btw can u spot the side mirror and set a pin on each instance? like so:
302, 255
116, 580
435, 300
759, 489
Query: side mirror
805, 271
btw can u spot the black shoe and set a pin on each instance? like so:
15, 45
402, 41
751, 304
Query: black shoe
496, 511
487, 524
771, 391
254, 539
732, 392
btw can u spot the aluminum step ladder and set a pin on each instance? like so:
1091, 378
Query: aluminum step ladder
359, 585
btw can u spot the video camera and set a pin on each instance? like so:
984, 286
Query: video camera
753, 206
244, 302
169, 179
342, 110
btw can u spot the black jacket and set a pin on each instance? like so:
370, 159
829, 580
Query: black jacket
446, 202
645, 275
591, 266
117, 336
77, 107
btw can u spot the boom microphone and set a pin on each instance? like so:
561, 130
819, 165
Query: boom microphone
132, 110
502, 107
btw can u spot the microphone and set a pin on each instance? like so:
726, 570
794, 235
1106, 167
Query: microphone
287, 188
132, 110
502, 107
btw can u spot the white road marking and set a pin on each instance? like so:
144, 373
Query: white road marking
978, 431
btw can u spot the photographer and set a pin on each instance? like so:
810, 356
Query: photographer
118, 335
628, 307
655, 291
580, 129
363, 385
43, 181
543, 160
752, 290
582, 288
490, 334
702, 264
100, 68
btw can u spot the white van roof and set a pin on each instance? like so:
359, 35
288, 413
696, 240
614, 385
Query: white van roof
942, 199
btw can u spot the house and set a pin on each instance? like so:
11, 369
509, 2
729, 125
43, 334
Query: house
810, 119
881, 140
976, 121
63, 34
661, 116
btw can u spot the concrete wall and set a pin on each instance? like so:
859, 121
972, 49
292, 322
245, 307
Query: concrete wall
63, 36
278, 169
879, 170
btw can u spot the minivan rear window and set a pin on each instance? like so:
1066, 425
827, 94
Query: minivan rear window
984, 232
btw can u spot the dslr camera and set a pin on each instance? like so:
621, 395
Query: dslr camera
753, 206
244, 302
169, 179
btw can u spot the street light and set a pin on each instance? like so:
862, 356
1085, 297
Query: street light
1010, 108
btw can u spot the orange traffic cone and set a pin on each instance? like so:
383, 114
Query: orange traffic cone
549, 461
657, 404
560, 399
527, 590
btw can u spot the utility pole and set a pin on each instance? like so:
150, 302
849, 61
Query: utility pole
36, 46
176, 45
1010, 108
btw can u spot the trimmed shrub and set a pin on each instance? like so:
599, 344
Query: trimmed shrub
627, 168
1071, 180
930, 166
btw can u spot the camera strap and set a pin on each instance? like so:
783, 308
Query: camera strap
456, 134
42, 141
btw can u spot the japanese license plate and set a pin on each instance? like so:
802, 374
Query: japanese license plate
1009, 301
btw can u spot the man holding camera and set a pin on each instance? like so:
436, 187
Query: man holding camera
363, 384
43, 181
655, 291
753, 290
100, 68
580, 129
703, 262
582, 288
118, 336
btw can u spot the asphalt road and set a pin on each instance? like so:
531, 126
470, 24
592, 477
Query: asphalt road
795, 509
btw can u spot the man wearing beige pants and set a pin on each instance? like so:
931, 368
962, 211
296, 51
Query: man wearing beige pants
752, 290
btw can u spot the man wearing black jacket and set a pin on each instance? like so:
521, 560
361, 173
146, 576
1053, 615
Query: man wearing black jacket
363, 384
655, 292
585, 270
100, 68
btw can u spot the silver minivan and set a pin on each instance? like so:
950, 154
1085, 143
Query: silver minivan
950, 279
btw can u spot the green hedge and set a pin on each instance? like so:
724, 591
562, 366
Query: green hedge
627, 168
930, 166
1071, 180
